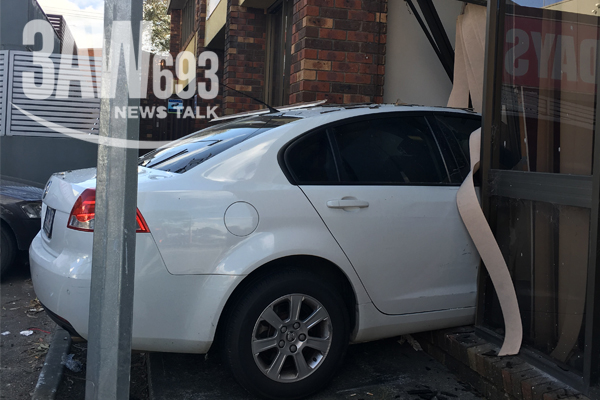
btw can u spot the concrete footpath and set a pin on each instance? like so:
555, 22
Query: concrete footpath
379, 370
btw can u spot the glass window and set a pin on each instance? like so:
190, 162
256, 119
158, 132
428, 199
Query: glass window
184, 154
310, 160
548, 88
544, 123
546, 248
188, 17
389, 150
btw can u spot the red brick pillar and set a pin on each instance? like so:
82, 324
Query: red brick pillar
338, 51
244, 58
175, 41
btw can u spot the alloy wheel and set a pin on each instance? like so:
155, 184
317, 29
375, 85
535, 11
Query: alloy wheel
291, 338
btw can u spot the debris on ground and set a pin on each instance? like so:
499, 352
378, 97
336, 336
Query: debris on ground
72, 386
448, 394
72, 365
22, 356
426, 394
410, 340
34, 308
39, 349
26, 333
39, 330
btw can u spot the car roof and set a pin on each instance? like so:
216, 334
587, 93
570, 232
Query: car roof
24, 191
367, 109
317, 109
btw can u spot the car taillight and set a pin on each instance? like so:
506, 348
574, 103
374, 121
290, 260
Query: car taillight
142, 227
84, 212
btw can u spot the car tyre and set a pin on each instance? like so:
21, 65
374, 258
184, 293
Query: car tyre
8, 250
286, 335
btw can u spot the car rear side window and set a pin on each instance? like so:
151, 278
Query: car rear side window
310, 159
397, 150
186, 153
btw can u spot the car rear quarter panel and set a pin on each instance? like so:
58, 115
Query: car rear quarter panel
166, 311
186, 216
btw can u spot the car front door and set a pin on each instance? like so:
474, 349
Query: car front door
384, 191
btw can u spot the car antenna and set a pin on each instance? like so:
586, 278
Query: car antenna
271, 109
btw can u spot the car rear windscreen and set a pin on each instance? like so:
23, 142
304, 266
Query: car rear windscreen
185, 153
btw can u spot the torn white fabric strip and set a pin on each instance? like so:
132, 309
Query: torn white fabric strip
469, 58
459, 97
485, 242
473, 36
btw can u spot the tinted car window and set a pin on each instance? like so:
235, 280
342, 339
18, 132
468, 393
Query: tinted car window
456, 131
389, 150
192, 150
310, 159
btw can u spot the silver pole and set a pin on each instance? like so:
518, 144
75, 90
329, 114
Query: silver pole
113, 262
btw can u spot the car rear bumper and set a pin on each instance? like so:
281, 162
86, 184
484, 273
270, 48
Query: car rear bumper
63, 323
172, 313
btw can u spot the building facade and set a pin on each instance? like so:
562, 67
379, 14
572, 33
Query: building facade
288, 51
293, 51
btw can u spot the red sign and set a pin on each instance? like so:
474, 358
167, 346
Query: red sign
550, 53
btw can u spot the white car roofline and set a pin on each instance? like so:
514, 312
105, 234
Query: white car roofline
339, 107
266, 110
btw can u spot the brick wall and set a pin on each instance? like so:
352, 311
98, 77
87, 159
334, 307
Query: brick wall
245, 53
475, 361
338, 51
200, 23
175, 41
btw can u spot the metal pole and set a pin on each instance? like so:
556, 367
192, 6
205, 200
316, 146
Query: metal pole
113, 262
591, 354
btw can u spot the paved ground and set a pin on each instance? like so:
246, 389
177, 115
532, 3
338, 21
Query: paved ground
379, 370
21, 357
72, 386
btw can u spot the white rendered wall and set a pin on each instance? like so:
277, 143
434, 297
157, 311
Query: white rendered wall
413, 72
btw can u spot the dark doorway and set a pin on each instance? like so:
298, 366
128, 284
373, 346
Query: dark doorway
279, 53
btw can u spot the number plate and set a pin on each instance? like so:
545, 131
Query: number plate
49, 221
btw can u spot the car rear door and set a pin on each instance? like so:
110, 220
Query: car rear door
384, 191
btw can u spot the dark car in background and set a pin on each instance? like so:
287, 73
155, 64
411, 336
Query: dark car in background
20, 209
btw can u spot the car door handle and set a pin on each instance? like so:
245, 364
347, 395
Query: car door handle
347, 203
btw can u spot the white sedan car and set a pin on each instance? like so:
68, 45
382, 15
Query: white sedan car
286, 236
